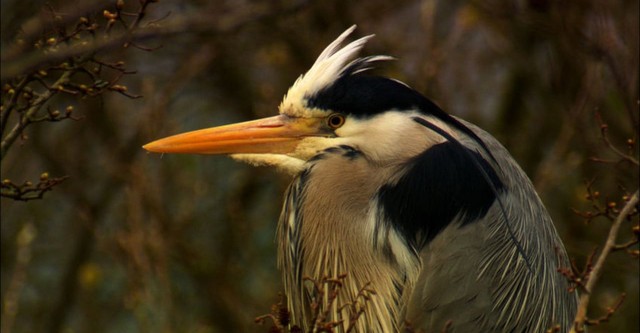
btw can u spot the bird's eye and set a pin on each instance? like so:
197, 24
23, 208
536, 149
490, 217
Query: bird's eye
335, 120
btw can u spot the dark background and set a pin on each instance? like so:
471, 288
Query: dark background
137, 242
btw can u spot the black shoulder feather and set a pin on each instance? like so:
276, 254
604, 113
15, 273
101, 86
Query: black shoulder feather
440, 183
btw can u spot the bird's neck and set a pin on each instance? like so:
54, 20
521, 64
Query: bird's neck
336, 288
337, 265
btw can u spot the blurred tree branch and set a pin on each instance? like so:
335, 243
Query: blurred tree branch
11, 300
16, 60
36, 70
28, 91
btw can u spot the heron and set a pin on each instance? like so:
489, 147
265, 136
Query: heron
425, 209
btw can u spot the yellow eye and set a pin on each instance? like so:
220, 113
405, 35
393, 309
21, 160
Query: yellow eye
335, 120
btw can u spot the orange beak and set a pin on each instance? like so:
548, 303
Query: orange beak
275, 135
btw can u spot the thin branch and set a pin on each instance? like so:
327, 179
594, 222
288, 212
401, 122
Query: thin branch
13, 66
610, 311
625, 246
604, 129
28, 191
581, 315
7, 108
15, 132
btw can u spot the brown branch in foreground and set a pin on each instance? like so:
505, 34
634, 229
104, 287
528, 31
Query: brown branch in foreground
577, 277
324, 297
581, 315
280, 318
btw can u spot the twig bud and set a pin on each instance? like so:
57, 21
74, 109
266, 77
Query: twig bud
109, 15
118, 87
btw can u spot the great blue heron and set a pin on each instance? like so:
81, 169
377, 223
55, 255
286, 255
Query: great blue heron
425, 209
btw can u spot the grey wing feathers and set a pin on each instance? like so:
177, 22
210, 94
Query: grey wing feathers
499, 293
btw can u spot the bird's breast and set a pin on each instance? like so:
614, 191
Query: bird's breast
326, 230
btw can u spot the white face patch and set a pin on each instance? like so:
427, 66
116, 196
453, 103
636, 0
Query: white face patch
391, 136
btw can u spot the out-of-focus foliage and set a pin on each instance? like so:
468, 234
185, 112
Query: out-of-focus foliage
133, 242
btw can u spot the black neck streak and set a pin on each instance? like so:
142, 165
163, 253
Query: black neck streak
440, 185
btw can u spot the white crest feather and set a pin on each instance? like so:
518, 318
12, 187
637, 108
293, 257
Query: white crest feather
329, 66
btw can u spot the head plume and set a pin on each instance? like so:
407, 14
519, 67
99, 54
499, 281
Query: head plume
332, 64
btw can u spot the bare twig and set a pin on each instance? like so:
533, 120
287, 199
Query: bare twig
27, 190
604, 129
279, 316
581, 315
610, 311
15, 132
11, 103
627, 247
15, 65
576, 277
79, 74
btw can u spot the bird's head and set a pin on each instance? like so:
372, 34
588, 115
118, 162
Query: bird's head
333, 104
